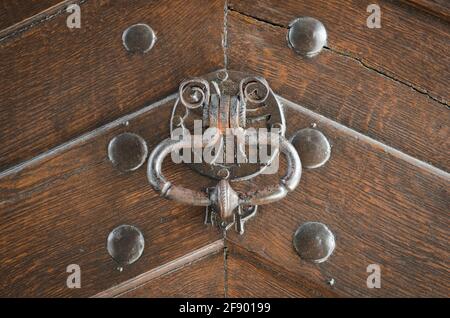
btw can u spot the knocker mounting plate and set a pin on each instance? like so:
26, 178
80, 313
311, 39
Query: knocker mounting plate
222, 125
227, 99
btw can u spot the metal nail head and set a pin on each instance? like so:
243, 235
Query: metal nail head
307, 36
314, 242
125, 244
312, 147
127, 151
138, 38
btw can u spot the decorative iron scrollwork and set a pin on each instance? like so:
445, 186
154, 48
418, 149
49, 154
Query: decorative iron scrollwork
233, 117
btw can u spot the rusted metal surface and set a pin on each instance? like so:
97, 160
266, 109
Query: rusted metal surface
229, 99
235, 103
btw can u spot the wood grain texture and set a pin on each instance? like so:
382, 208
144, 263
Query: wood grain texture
60, 209
440, 8
58, 83
344, 90
15, 11
411, 45
384, 208
250, 275
137, 282
202, 278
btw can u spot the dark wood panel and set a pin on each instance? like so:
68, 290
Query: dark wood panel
16, 11
202, 278
58, 83
411, 45
342, 89
59, 210
250, 275
383, 207
440, 8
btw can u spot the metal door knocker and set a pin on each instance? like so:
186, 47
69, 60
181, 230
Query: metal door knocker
231, 127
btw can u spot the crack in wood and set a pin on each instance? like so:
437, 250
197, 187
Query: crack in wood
386, 75
350, 56
274, 24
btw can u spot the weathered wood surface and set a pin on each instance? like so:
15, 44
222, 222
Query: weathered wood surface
15, 12
250, 275
411, 46
202, 278
383, 207
60, 209
58, 83
440, 8
342, 89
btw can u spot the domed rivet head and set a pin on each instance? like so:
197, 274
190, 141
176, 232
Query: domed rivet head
314, 242
312, 147
138, 38
125, 244
127, 151
307, 36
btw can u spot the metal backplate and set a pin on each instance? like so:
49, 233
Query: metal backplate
249, 103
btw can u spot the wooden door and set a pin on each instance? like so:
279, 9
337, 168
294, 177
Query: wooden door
379, 95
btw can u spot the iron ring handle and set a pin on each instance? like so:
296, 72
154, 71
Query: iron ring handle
159, 182
268, 195
287, 183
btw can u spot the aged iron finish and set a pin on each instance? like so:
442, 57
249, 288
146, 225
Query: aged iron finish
138, 38
312, 146
314, 242
226, 100
240, 217
127, 151
307, 36
125, 244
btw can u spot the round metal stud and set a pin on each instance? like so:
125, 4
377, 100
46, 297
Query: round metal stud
138, 38
314, 242
312, 146
125, 244
307, 36
127, 151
